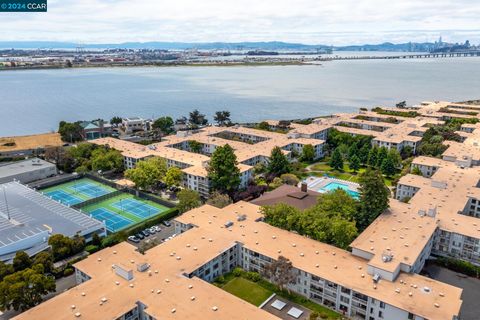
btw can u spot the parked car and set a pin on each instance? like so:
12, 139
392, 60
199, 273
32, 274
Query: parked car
166, 223
152, 230
134, 239
145, 232
157, 228
140, 236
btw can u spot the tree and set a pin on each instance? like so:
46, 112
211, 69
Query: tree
372, 157
219, 200
388, 167
282, 216
106, 159
278, 164
188, 199
61, 246
308, 153
374, 197
353, 151
223, 170
395, 157
96, 240
263, 126
115, 121
147, 173
277, 182
416, 170
174, 176
222, 118
164, 125
25, 289
195, 146
281, 272
290, 179
406, 152
197, 119
354, 163
70, 131
382, 155
363, 154
45, 259
336, 162
21, 261
5, 270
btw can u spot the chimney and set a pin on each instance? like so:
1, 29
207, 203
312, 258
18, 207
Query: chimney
304, 187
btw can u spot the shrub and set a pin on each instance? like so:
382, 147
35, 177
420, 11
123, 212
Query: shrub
253, 276
237, 272
67, 272
220, 280
459, 266
92, 248
313, 316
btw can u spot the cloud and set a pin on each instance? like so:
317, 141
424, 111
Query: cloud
308, 21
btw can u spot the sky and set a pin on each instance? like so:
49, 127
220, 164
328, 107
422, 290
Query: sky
337, 22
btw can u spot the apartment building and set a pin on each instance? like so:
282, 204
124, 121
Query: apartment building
453, 191
171, 281
251, 147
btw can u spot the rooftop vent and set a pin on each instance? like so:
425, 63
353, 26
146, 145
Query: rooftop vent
387, 257
242, 217
228, 224
376, 277
142, 267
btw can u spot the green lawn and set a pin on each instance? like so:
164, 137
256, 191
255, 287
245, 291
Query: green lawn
257, 292
321, 168
247, 290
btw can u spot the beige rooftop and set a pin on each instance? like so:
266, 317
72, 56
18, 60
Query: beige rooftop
167, 288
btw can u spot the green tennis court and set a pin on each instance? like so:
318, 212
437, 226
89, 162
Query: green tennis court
123, 211
77, 191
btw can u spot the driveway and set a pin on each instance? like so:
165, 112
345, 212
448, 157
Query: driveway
470, 286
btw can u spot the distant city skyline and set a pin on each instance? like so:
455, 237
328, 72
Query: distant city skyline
342, 22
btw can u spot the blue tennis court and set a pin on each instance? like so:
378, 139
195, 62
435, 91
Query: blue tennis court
138, 208
63, 197
89, 189
113, 221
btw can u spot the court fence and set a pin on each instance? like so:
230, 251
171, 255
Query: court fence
135, 192
97, 199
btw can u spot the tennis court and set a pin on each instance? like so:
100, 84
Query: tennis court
113, 221
77, 191
63, 197
138, 208
123, 210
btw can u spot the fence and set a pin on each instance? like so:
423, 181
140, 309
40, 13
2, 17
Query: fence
137, 193
53, 181
97, 199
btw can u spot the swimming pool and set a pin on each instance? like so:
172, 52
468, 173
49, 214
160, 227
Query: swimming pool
328, 184
336, 185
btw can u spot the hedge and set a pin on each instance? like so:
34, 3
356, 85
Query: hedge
459, 266
92, 248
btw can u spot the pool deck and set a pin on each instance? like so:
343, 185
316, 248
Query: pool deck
318, 183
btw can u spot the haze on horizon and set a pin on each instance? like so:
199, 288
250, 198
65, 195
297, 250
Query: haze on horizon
340, 22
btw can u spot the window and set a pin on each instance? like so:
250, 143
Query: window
380, 314
382, 305
411, 316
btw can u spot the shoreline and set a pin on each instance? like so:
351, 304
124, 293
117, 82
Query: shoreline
167, 65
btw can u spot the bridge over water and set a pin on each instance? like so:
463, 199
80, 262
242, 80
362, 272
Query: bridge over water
473, 53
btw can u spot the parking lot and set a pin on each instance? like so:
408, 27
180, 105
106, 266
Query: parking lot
470, 286
158, 237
